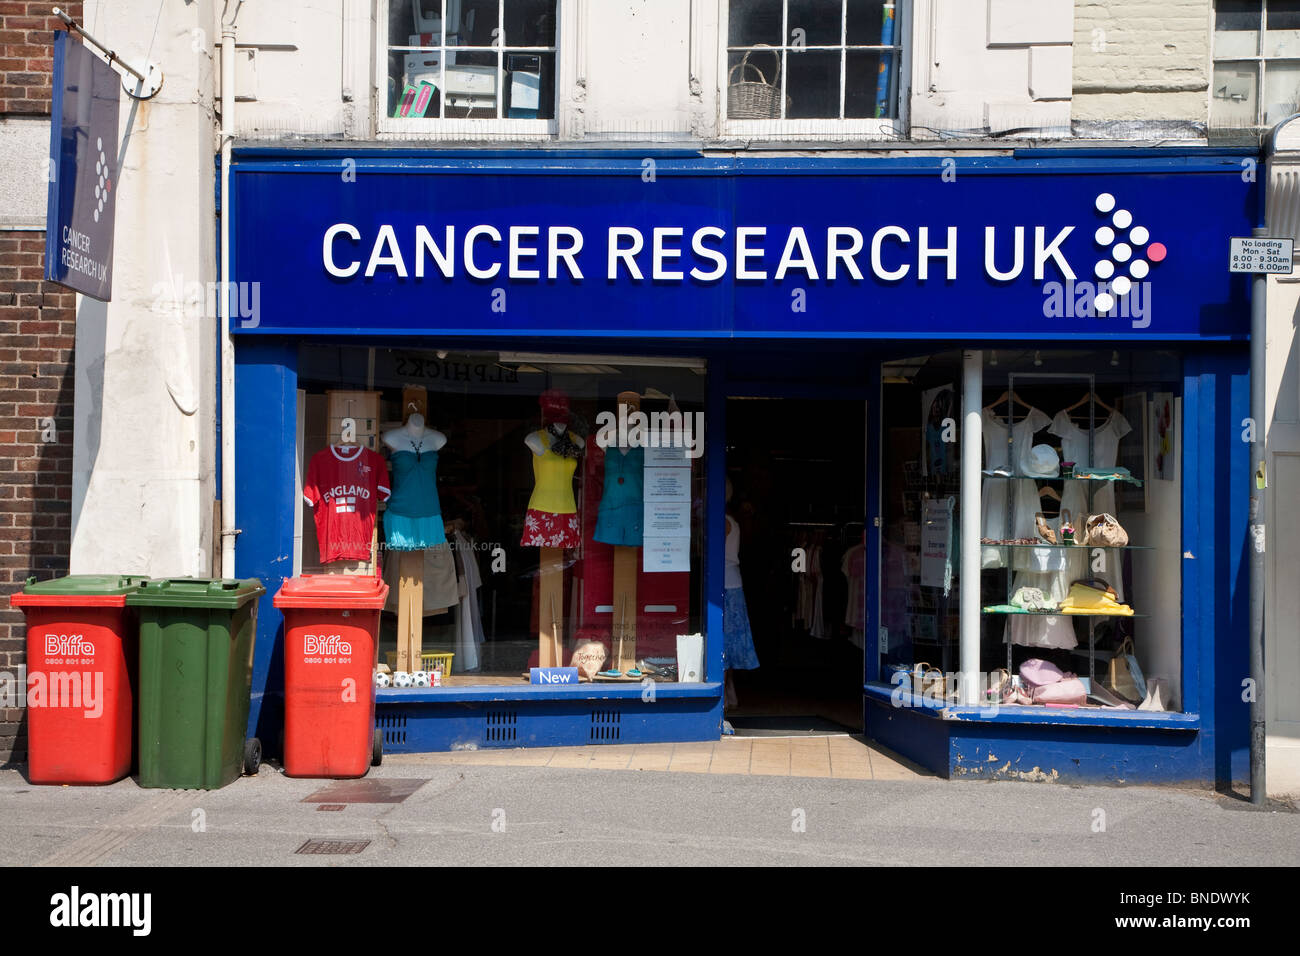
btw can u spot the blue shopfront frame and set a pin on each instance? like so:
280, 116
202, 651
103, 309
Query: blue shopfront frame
1204, 744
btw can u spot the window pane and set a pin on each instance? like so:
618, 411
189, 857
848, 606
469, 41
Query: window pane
868, 88
1283, 36
754, 84
407, 18
471, 85
754, 21
1284, 15
478, 22
872, 23
1233, 94
530, 85
530, 23
1236, 27
819, 21
813, 86
1281, 91
408, 73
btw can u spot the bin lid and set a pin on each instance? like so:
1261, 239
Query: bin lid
333, 591
219, 593
81, 590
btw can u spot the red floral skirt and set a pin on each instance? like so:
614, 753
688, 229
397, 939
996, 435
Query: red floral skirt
542, 529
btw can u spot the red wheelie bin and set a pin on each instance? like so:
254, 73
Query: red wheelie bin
81, 677
331, 646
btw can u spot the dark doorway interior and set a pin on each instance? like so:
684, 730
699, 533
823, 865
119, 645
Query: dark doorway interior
797, 471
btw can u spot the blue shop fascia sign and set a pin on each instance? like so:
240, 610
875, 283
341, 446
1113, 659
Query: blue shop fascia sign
1040, 248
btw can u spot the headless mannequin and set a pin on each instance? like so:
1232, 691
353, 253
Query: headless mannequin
537, 445
413, 436
626, 565
551, 582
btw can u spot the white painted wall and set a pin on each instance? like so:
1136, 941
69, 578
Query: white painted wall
991, 65
1158, 573
1282, 461
144, 404
24, 155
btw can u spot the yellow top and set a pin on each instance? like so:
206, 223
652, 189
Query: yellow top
553, 481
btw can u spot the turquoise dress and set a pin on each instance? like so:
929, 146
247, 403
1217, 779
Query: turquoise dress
621, 511
413, 521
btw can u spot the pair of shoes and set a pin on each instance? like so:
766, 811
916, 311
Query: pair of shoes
1155, 699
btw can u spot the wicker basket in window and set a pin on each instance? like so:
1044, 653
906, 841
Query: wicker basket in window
749, 99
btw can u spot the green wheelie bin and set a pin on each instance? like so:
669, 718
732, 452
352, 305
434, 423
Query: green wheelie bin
196, 673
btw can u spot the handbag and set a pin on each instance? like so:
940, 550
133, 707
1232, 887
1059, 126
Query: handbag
1103, 531
932, 681
1068, 691
1067, 526
1036, 673
1032, 599
1124, 675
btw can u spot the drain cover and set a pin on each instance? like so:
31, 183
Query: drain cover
333, 847
332, 806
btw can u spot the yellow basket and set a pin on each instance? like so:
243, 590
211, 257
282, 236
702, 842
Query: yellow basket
428, 662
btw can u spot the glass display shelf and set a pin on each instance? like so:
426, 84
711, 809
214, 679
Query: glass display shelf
1111, 478
996, 612
1081, 547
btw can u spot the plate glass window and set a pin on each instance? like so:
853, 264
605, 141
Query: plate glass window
813, 59
1256, 62
471, 59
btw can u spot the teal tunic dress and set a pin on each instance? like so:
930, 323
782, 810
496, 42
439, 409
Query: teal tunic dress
620, 516
413, 521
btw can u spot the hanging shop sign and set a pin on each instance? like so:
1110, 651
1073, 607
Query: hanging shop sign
80, 210
733, 248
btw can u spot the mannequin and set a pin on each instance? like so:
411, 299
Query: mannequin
552, 522
412, 524
413, 520
737, 640
619, 523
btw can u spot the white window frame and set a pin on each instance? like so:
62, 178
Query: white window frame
460, 128
1259, 59
835, 129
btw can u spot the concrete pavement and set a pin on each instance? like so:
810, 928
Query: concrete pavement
514, 807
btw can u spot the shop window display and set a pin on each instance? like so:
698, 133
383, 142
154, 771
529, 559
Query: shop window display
526, 511
1080, 528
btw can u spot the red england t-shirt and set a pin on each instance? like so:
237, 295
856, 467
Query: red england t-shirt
345, 485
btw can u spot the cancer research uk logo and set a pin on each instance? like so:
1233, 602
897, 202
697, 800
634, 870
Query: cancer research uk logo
1124, 265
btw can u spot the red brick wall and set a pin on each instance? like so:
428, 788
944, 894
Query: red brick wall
37, 336
26, 54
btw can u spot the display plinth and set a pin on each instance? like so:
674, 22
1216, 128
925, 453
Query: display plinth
410, 610
550, 608
623, 636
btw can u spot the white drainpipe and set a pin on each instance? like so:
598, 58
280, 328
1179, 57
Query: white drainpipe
228, 529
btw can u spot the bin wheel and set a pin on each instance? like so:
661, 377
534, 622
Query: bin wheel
377, 751
252, 756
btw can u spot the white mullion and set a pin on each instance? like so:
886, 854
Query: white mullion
501, 59
844, 55
442, 63
1263, 66
784, 63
